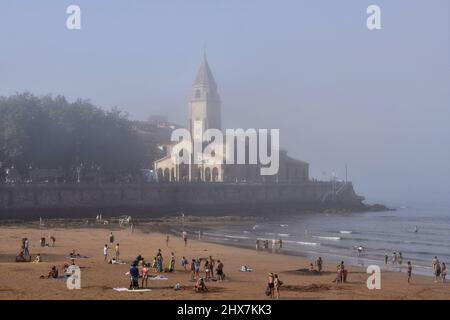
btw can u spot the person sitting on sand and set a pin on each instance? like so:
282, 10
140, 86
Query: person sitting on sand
22, 258
38, 258
200, 286
311, 267
53, 273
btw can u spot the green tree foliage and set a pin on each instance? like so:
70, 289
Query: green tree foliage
47, 132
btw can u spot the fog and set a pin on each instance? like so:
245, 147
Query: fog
378, 101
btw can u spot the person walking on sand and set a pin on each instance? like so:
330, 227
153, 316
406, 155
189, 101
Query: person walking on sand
105, 252
271, 284
219, 271
117, 252
167, 240
409, 271
192, 269
436, 268
443, 271
111, 238
276, 286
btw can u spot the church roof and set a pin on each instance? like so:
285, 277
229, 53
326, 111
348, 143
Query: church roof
204, 76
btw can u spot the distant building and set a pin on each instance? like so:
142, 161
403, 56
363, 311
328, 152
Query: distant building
205, 106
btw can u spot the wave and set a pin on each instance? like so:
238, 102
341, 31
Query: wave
284, 235
345, 232
303, 243
284, 225
327, 238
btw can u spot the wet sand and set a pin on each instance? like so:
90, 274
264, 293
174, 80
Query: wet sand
98, 278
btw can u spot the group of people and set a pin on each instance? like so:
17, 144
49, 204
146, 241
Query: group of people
273, 286
341, 273
106, 248
264, 244
439, 269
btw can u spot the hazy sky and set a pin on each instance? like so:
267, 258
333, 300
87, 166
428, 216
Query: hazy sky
339, 93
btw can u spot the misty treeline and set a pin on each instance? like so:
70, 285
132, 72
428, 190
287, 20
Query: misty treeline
51, 133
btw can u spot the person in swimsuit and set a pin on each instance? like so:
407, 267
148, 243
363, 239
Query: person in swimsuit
409, 266
443, 271
271, 284
145, 272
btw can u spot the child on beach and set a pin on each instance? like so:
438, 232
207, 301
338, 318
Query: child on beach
409, 271
144, 276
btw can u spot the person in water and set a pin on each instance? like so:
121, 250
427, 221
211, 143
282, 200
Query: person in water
409, 271
436, 268
443, 271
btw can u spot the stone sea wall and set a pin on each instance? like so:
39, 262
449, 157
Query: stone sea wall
18, 201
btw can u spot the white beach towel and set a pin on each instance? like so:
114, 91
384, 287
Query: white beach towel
246, 269
129, 290
158, 277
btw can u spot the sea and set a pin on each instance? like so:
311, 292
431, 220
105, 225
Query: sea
418, 232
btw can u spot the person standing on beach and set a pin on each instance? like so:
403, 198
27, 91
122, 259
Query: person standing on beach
271, 284
443, 271
117, 252
111, 238
276, 286
185, 238
192, 269
319, 264
167, 240
409, 271
144, 275
386, 259
211, 266
132, 228
105, 252
53, 240
184, 263
257, 245
436, 268
219, 271
26, 246
394, 258
400, 261
207, 271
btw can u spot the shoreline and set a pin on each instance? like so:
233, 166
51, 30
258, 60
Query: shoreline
21, 280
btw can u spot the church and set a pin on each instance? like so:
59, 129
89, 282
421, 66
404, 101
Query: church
205, 108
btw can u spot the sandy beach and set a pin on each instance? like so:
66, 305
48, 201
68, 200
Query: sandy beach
98, 278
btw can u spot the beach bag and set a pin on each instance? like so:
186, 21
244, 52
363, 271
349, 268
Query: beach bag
268, 291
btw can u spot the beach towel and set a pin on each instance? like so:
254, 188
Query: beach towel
245, 269
158, 277
130, 290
